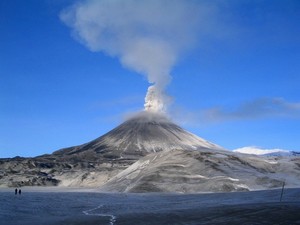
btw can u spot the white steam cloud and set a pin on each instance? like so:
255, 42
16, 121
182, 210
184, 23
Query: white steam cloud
156, 100
147, 36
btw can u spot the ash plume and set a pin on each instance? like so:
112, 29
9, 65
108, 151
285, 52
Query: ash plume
156, 100
147, 36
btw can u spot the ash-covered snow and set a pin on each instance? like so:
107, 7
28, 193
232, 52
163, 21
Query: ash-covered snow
259, 207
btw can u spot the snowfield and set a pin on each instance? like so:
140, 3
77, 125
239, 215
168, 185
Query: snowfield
89, 208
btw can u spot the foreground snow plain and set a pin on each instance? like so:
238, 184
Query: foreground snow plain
72, 206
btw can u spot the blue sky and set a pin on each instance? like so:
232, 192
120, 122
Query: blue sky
236, 88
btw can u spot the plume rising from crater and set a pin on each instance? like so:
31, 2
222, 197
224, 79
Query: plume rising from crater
146, 36
156, 101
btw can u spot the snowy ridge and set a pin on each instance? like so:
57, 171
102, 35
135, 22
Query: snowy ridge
266, 152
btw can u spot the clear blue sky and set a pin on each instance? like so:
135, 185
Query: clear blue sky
239, 89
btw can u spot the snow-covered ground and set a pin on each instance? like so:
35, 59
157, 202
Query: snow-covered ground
257, 207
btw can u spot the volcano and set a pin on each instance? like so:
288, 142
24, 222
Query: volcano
142, 134
150, 153
94, 163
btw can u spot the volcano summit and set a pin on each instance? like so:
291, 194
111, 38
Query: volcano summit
149, 153
142, 134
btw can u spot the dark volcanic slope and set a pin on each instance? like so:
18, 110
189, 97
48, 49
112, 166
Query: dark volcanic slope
139, 136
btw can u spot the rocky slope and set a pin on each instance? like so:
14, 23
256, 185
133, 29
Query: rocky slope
58, 171
205, 170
